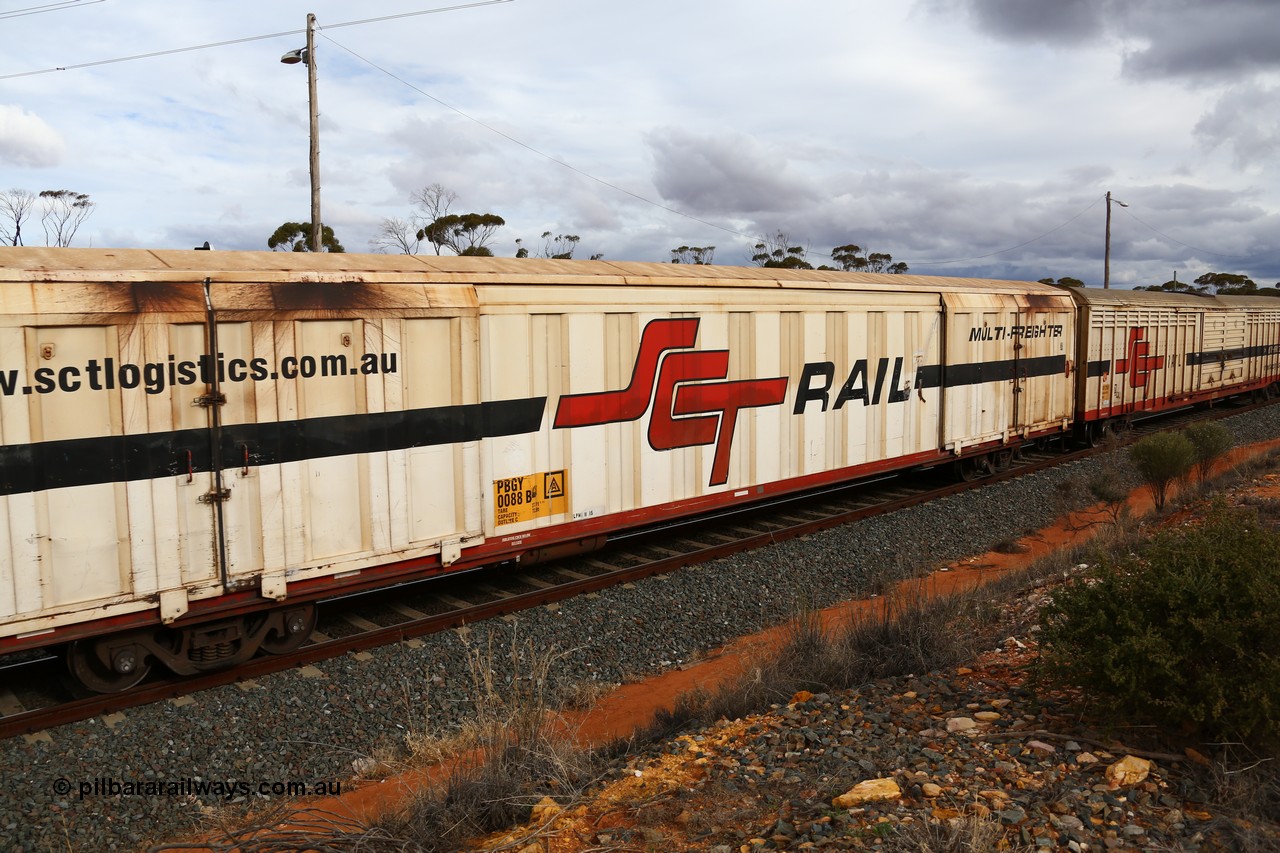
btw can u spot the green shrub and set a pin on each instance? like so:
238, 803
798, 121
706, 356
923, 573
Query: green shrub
1161, 459
1184, 632
1107, 489
1210, 441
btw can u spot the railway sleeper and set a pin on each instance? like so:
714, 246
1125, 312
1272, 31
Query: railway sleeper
118, 662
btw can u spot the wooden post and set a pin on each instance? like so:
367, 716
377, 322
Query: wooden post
1106, 255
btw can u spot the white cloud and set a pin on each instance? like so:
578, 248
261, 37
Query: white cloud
26, 140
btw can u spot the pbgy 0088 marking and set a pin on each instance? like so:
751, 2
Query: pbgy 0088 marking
510, 492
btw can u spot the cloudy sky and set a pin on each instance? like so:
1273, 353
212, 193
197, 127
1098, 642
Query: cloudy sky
965, 137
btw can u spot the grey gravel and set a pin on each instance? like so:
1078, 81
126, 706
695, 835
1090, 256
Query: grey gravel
294, 728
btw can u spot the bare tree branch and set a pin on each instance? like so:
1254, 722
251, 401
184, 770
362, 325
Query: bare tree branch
396, 236
433, 203
15, 208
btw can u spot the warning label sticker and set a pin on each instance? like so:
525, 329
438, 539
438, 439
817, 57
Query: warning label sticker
517, 499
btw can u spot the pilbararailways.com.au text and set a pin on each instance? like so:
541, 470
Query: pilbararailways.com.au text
225, 789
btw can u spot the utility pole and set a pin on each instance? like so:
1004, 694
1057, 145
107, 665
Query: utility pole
316, 227
308, 55
1106, 257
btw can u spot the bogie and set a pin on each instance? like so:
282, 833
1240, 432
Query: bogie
115, 663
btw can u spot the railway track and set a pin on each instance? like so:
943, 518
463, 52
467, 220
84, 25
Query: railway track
33, 695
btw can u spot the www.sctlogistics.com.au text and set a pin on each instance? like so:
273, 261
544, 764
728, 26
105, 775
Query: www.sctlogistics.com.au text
155, 376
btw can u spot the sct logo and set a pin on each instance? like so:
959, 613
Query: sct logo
690, 408
1136, 363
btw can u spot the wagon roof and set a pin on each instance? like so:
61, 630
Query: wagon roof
81, 265
1162, 299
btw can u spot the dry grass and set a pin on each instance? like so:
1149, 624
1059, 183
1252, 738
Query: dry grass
961, 835
1268, 508
1244, 788
512, 752
515, 751
908, 632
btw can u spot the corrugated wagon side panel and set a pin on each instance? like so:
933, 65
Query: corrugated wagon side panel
814, 422
1225, 340
978, 374
1145, 356
19, 591
83, 529
1264, 343
758, 337
435, 509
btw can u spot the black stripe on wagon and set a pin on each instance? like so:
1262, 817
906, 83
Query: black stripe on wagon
1098, 368
977, 373
121, 458
1217, 356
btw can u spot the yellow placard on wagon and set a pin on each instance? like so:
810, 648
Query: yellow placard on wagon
524, 498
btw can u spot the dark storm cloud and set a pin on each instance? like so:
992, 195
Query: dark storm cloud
725, 174
947, 223
1055, 21
1189, 39
1192, 39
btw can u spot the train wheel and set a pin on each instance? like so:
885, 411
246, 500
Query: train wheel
974, 468
101, 668
297, 623
1100, 432
1002, 460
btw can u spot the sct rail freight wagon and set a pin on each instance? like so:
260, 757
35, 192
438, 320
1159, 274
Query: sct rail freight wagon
196, 446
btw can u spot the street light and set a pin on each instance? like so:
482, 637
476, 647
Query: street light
1106, 258
308, 55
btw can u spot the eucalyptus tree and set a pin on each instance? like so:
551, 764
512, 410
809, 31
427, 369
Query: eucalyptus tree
62, 214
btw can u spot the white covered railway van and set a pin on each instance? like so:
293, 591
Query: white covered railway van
1146, 352
206, 439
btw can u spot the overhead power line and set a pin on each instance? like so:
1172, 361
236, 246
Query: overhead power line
48, 7
246, 39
